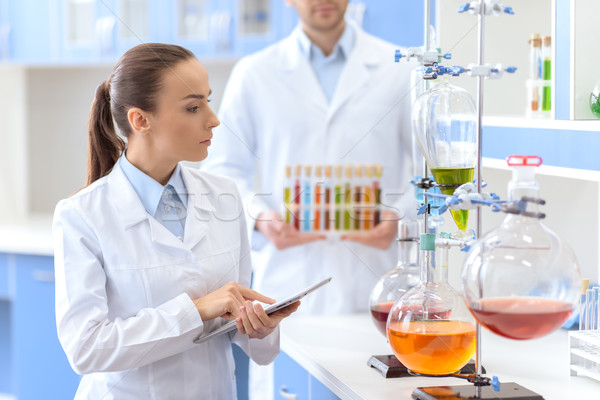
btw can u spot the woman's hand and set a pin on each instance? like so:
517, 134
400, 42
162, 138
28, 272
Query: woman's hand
226, 301
255, 322
282, 235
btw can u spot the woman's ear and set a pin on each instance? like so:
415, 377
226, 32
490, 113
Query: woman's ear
139, 121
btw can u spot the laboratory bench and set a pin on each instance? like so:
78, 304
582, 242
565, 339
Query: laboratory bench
330, 353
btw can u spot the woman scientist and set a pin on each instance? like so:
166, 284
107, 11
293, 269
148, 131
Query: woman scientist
151, 253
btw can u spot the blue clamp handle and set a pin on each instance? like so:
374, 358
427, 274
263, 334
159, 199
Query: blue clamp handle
422, 209
447, 56
397, 56
464, 7
509, 10
511, 69
496, 383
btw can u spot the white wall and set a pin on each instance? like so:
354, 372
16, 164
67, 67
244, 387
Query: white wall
506, 38
587, 56
43, 131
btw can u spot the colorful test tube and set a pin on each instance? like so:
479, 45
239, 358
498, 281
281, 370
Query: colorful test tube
369, 198
347, 197
318, 195
307, 198
338, 197
297, 172
377, 191
287, 194
358, 173
327, 196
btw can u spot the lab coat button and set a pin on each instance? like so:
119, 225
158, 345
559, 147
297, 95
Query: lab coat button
167, 207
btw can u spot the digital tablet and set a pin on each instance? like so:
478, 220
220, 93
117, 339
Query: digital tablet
230, 326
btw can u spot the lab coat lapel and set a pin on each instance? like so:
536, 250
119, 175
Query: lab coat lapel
299, 75
130, 207
356, 72
200, 210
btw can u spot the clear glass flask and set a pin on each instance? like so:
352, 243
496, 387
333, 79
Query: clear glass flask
521, 280
444, 122
395, 282
430, 328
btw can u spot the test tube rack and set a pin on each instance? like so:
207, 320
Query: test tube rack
584, 353
332, 198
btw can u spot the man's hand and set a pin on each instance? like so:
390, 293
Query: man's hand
282, 235
380, 237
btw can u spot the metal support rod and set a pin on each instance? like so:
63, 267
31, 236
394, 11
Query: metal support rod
480, 58
427, 23
427, 38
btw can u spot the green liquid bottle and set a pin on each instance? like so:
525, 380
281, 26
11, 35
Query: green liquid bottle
454, 176
547, 74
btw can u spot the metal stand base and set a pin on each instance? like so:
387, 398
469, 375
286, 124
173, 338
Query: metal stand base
390, 367
508, 391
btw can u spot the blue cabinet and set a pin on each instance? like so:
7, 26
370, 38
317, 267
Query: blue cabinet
101, 30
40, 368
291, 379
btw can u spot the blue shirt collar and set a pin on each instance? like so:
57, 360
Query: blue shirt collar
150, 191
345, 43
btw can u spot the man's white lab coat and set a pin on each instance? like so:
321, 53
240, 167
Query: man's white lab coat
274, 114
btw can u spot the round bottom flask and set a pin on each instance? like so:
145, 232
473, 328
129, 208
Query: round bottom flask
395, 282
520, 280
429, 328
595, 100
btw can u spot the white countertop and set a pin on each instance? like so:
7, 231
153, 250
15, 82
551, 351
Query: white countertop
335, 350
31, 235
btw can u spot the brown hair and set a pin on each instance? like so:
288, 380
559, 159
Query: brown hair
134, 82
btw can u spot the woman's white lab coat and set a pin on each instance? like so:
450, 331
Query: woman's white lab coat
273, 114
125, 284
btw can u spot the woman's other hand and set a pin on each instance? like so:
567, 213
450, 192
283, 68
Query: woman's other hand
255, 322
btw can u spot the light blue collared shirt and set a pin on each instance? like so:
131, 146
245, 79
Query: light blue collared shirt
165, 203
328, 68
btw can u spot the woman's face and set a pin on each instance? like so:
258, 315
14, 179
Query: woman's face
181, 126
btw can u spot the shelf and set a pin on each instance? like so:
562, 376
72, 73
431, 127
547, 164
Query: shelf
543, 123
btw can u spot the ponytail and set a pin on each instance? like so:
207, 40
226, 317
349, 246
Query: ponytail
104, 145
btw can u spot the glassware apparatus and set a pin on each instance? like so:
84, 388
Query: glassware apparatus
395, 282
520, 280
444, 122
430, 328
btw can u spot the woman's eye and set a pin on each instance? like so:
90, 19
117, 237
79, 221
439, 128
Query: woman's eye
192, 109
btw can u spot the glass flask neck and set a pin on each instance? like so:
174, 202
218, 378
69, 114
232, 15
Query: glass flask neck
442, 265
522, 184
427, 258
408, 252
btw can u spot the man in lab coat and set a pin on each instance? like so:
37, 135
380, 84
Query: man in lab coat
328, 94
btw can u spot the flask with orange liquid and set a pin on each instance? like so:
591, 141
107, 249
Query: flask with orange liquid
521, 280
430, 328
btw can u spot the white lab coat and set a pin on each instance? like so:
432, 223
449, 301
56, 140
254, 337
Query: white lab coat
125, 284
274, 113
